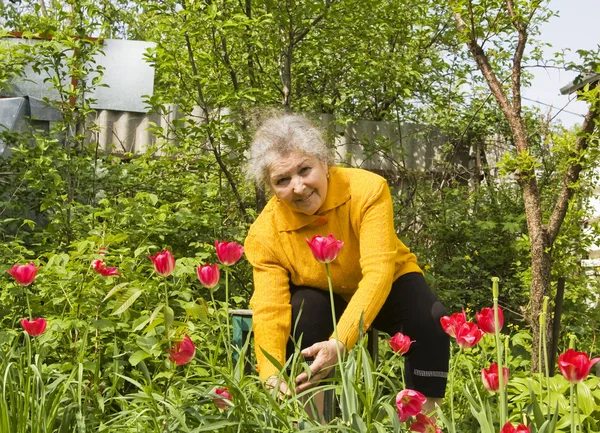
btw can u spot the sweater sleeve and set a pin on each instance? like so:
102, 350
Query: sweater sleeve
378, 252
270, 302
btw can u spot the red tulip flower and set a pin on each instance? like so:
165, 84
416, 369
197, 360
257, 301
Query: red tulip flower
409, 403
229, 253
100, 267
164, 263
109, 272
208, 275
509, 428
468, 335
575, 366
23, 274
400, 343
451, 323
224, 398
183, 351
490, 378
424, 424
325, 249
34, 327
486, 322
98, 264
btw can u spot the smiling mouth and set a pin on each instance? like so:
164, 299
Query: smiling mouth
307, 198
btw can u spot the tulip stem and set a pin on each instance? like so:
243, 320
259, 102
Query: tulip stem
501, 384
401, 366
28, 305
335, 333
166, 313
227, 337
572, 386
454, 364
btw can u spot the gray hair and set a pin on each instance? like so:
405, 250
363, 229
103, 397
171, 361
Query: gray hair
279, 136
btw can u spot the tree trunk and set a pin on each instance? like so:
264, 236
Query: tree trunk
541, 264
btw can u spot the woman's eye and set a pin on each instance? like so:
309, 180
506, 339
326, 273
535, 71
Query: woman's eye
282, 181
304, 170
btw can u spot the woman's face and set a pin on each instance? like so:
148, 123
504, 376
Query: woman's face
300, 181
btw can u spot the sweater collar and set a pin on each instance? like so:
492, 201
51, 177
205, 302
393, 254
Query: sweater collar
338, 193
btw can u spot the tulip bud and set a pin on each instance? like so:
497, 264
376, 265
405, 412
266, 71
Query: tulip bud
23, 274
164, 263
325, 249
34, 327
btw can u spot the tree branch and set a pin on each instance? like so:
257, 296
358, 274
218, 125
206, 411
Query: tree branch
211, 139
313, 23
518, 56
573, 171
487, 71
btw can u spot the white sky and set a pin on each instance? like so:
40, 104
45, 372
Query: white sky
576, 27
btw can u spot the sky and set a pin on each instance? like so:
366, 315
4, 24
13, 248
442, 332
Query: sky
576, 27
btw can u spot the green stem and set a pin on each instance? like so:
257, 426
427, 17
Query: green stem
335, 333
166, 313
545, 350
572, 386
501, 390
452, 376
401, 366
227, 333
28, 305
475, 386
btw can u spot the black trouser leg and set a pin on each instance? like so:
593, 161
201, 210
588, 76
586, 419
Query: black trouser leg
411, 308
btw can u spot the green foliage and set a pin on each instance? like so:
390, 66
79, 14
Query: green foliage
102, 364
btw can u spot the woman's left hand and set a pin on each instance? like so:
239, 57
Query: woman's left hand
325, 355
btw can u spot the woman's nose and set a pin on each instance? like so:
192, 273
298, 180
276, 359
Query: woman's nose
298, 185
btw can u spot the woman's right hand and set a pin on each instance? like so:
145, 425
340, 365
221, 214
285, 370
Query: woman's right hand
276, 382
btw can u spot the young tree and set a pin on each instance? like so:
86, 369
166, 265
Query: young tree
497, 34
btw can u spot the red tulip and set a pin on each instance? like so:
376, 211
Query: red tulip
409, 403
424, 424
490, 378
229, 252
100, 267
509, 428
23, 274
486, 322
164, 263
225, 398
450, 324
400, 343
109, 272
468, 335
325, 249
575, 366
34, 327
208, 275
183, 351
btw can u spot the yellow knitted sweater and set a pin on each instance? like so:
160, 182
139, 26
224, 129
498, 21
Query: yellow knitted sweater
358, 211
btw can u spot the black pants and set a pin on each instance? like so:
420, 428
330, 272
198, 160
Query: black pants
411, 308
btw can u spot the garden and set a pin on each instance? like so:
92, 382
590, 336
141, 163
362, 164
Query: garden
119, 271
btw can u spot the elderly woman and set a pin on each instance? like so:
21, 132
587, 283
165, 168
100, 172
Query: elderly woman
375, 276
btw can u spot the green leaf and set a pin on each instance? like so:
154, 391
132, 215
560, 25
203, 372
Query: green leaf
102, 324
114, 290
126, 300
197, 311
138, 356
